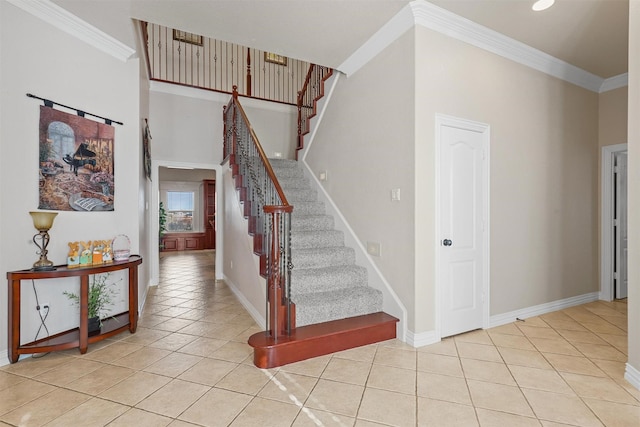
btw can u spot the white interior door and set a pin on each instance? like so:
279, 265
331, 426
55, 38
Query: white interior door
620, 222
463, 216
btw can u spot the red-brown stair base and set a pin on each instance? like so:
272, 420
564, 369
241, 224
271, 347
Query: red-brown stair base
322, 338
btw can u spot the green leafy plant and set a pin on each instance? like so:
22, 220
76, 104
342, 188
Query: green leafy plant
101, 295
162, 222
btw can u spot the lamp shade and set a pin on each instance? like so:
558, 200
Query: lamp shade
43, 221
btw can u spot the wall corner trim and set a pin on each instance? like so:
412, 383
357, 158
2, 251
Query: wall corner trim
435, 18
421, 339
615, 82
60, 18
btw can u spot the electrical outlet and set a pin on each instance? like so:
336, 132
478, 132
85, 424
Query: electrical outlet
44, 309
277, 155
395, 195
322, 175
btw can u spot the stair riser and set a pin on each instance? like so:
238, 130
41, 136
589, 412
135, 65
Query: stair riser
348, 307
311, 223
323, 238
334, 278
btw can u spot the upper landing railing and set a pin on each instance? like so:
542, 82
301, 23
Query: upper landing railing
187, 59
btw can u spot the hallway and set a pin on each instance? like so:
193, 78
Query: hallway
189, 365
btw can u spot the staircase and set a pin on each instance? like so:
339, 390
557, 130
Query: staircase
325, 282
335, 309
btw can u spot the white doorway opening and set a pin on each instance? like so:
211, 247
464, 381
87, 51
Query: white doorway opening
613, 223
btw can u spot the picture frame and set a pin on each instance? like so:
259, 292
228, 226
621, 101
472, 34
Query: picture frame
183, 36
275, 59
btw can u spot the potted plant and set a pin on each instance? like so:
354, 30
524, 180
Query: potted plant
101, 294
162, 220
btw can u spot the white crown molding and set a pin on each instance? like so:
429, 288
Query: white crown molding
615, 82
71, 24
435, 18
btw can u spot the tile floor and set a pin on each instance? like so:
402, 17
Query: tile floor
189, 365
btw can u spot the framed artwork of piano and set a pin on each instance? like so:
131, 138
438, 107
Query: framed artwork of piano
75, 163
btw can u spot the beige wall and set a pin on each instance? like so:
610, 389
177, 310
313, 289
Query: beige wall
52, 64
612, 117
365, 143
543, 160
634, 188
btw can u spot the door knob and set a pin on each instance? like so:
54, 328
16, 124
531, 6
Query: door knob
447, 242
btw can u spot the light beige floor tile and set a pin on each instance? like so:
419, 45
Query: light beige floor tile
536, 321
312, 367
613, 369
216, 408
139, 418
101, 379
199, 328
173, 342
361, 354
398, 357
288, 388
33, 366
581, 336
499, 397
599, 388
245, 379
134, 389
392, 379
93, 412
479, 336
173, 324
348, 371
232, 352
149, 319
387, 407
606, 352
558, 346
145, 336
487, 371
436, 413
615, 414
445, 347
226, 332
173, 365
537, 332
512, 341
172, 399
208, 371
620, 342
314, 418
332, 396
142, 358
478, 352
45, 408
604, 327
267, 413
573, 364
443, 387
9, 380
561, 408
540, 379
70, 371
569, 325
112, 352
508, 329
202, 346
490, 418
438, 363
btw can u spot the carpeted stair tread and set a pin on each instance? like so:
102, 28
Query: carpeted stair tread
322, 257
316, 238
311, 222
323, 279
308, 208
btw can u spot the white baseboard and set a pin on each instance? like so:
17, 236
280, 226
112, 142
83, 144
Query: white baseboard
4, 357
421, 339
260, 320
537, 310
632, 375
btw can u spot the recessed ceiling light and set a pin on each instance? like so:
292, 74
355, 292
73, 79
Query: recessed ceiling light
542, 5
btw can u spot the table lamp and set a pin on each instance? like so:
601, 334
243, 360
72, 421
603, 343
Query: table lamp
42, 221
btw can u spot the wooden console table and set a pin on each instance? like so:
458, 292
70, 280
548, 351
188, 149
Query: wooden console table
77, 337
